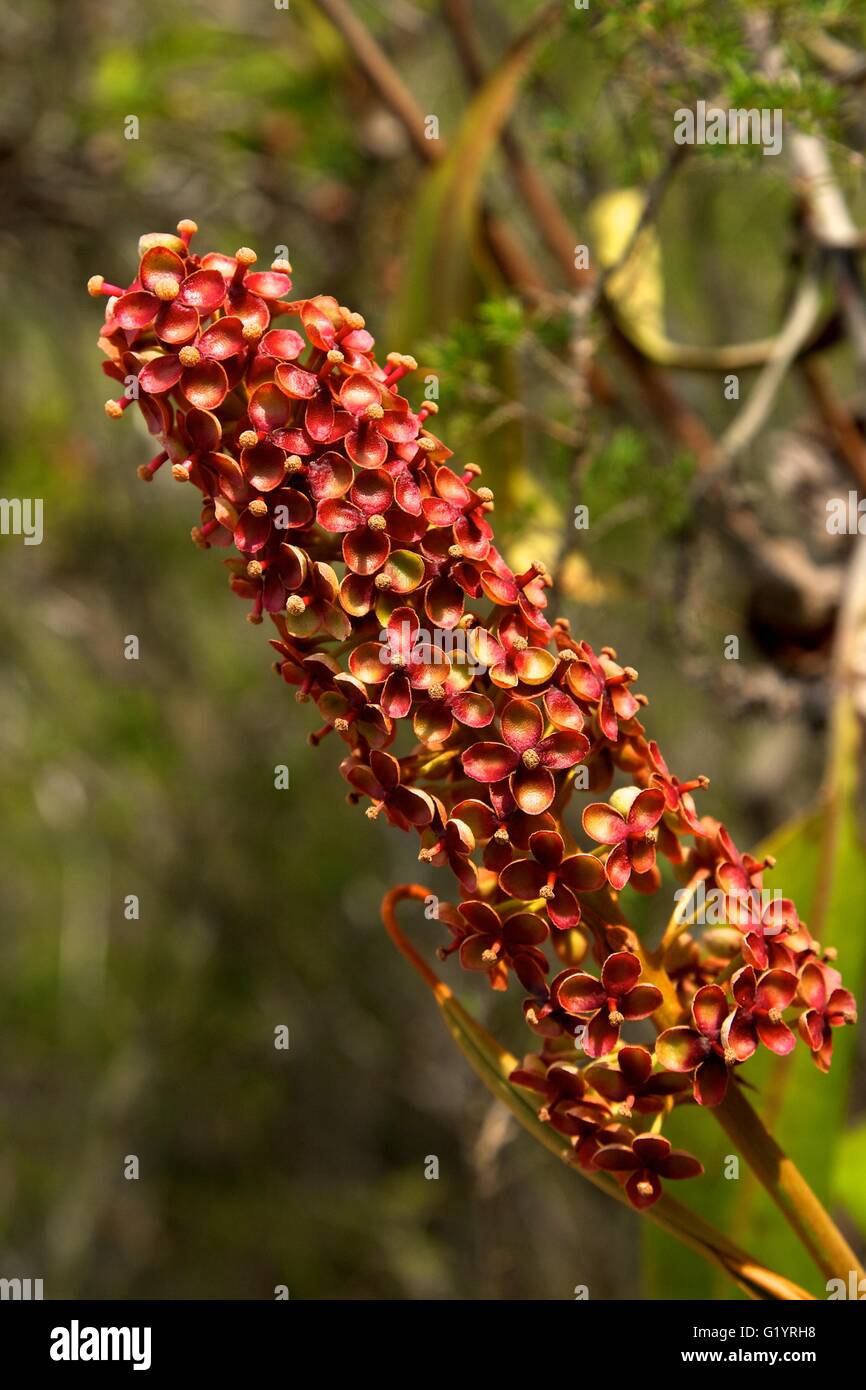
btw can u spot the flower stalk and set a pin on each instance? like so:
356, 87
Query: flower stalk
349, 526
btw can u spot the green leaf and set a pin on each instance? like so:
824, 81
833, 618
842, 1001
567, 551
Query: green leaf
445, 255
847, 1180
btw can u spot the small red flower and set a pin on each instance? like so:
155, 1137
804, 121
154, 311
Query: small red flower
197, 367
552, 876
737, 873
828, 1006
407, 663
632, 836
489, 942
704, 1049
348, 709
510, 658
601, 682
567, 1108
502, 825
171, 298
648, 1159
678, 799
315, 608
362, 519
380, 780
380, 418
761, 1001
452, 844
758, 921
630, 1084
458, 506
607, 1003
526, 757
447, 701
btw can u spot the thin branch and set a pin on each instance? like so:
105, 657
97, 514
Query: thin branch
794, 333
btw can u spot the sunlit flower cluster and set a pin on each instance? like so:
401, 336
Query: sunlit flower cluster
352, 530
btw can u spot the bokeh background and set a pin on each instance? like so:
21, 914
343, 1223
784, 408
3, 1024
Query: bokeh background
155, 777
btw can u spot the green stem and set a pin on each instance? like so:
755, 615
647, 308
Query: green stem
788, 1188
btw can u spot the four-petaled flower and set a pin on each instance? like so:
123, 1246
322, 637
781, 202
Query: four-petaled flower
758, 921
495, 944
631, 1085
607, 1003
704, 1049
633, 835
170, 297
527, 758
601, 682
828, 1006
552, 876
761, 1000
647, 1159
380, 780
406, 663
196, 368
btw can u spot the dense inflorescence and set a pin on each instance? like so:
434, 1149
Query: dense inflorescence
468, 717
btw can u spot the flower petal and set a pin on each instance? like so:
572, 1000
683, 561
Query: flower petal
711, 1081
620, 972
646, 811
522, 878
640, 1002
489, 762
522, 724
680, 1049
709, 1010
533, 789
582, 873
602, 823
563, 749
578, 993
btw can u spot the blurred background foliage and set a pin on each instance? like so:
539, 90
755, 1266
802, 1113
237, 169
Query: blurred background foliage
155, 777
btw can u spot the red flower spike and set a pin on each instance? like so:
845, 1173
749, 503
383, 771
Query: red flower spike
297, 434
